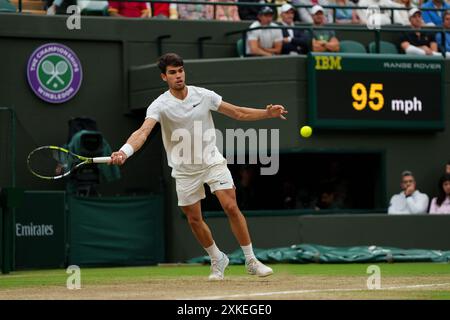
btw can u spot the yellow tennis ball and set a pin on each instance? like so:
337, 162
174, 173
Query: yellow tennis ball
306, 131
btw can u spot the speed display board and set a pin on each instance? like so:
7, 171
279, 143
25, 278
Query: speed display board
366, 91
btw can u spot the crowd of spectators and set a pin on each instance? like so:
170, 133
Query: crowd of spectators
411, 201
333, 188
275, 40
270, 41
333, 185
346, 13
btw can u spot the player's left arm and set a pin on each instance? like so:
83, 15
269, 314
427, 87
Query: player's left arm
251, 114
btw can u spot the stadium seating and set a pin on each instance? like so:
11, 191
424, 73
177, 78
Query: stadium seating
240, 47
93, 8
6, 6
31, 6
352, 46
385, 47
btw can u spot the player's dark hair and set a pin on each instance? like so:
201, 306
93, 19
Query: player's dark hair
441, 195
169, 59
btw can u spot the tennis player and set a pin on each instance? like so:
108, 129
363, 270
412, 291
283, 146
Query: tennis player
180, 110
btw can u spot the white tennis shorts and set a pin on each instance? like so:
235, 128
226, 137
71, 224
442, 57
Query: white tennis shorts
190, 189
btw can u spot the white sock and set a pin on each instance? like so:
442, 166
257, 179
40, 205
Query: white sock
248, 252
214, 252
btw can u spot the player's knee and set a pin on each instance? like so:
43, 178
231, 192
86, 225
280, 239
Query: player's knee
231, 209
194, 220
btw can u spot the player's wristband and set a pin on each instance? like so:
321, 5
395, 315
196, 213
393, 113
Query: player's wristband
127, 149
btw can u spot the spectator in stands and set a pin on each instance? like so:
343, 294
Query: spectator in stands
94, 6
323, 40
306, 14
346, 15
441, 203
195, 11
59, 6
410, 200
327, 199
226, 13
416, 42
163, 10
304, 198
128, 9
370, 17
335, 178
434, 17
264, 42
278, 10
447, 167
295, 41
444, 46
402, 16
249, 12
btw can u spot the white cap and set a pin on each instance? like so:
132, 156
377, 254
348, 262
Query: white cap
413, 11
316, 9
286, 7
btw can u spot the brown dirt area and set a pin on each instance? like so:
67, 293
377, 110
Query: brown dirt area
284, 287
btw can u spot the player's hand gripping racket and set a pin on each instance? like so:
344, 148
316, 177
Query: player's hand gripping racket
52, 162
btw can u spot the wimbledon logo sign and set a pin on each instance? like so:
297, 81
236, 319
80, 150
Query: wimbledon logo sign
54, 73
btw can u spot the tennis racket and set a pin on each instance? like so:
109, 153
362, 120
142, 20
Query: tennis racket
52, 162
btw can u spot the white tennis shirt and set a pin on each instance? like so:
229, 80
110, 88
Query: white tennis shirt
188, 130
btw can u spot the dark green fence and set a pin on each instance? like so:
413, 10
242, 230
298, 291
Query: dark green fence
52, 230
1, 237
116, 231
40, 230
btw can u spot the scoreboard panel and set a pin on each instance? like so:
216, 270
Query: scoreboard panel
375, 91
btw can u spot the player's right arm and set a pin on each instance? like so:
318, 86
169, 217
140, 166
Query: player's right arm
135, 141
251, 114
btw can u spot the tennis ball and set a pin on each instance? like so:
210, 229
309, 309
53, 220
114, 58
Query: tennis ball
306, 131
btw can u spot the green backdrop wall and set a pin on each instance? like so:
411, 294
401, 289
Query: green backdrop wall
116, 231
41, 230
119, 83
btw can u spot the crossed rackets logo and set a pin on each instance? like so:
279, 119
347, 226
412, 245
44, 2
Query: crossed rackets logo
54, 72
49, 68
55, 76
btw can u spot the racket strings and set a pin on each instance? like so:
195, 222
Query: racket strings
51, 162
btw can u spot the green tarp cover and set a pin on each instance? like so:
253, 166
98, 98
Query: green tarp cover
116, 231
310, 253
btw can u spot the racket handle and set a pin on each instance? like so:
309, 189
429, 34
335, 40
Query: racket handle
101, 160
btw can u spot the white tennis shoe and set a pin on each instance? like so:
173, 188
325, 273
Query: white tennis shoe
218, 268
255, 267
